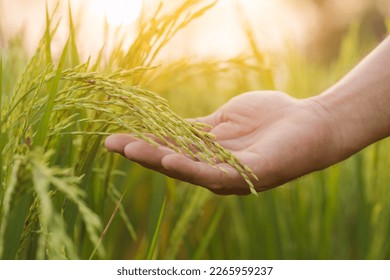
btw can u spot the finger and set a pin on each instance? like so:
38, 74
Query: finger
225, 131
117, 142
211, 120
202, 174
147, 155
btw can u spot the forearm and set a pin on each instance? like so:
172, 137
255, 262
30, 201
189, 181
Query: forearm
358, 107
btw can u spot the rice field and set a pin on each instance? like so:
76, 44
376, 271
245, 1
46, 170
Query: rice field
63, 196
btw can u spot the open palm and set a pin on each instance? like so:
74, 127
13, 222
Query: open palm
278, 137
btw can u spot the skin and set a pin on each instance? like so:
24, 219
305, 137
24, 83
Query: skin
279, 137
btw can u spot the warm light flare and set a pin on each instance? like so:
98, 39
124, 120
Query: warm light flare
120, 12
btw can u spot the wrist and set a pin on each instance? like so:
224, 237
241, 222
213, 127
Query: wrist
353, 117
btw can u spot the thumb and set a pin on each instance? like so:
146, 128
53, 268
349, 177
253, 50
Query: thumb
211, 120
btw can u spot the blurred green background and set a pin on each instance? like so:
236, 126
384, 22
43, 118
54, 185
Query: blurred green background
342, 212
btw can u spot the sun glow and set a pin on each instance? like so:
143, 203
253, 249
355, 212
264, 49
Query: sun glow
121, 12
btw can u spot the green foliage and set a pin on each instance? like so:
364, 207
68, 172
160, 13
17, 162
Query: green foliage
62, 196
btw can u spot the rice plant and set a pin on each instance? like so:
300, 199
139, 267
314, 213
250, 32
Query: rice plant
52, 125
63, 196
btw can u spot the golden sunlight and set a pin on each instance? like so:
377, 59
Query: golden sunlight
218, 33
120, 12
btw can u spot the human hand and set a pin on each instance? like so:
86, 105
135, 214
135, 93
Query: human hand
280, 138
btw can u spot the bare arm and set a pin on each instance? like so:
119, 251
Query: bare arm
358, 107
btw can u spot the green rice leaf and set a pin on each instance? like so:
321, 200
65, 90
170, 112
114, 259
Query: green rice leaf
6, 203
1, 128
44, 123
209, 234
152, 247
75, 57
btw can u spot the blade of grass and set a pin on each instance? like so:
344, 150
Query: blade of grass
107, 226
17, 103
266, 77
152, 247
43, 126
14, 229
155, 34
364, 209
75, 57
242, 229
206, 239
122, 212
1, 84
87, 170
6, 204
48, 36
55, 242
1, 129
98, 61
192, 208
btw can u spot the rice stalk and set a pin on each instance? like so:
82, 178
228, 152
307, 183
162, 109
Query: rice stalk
50, 200
153, 244
155, 32
193, 207
107, 226
127, 108
1, 131
46, 181
115, 197
148, 113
